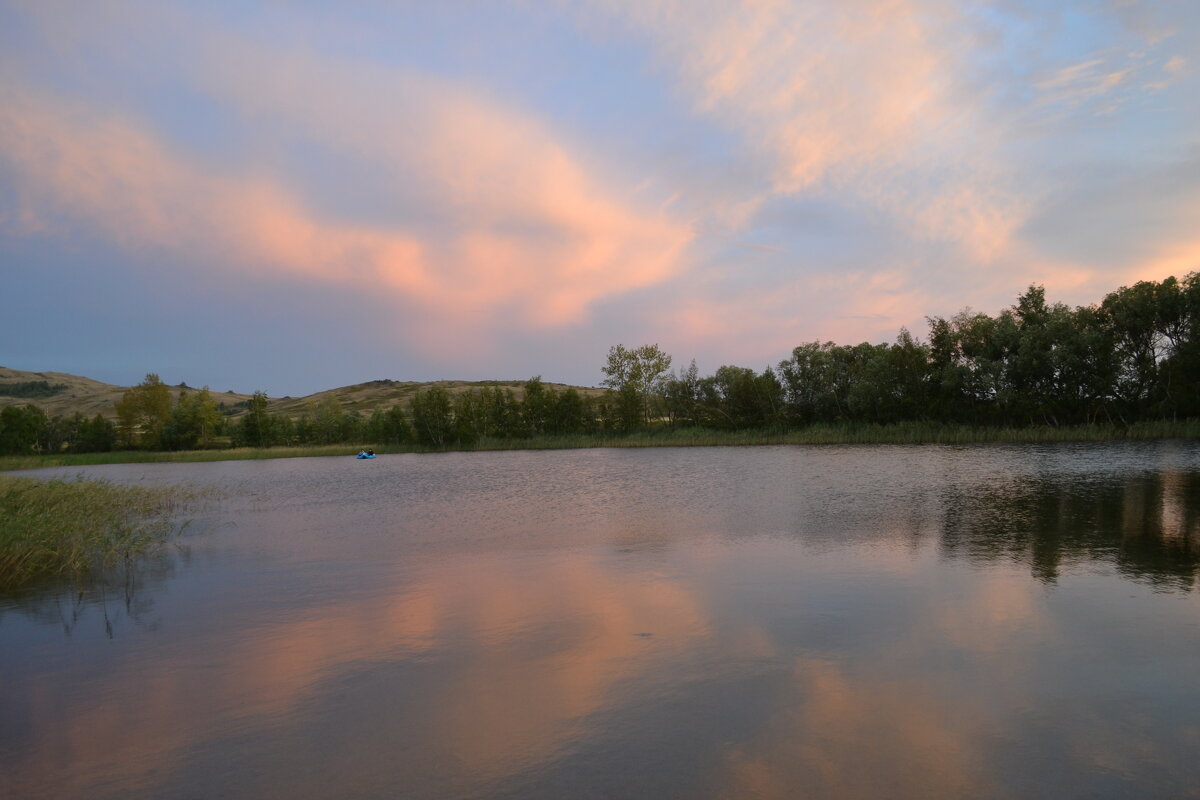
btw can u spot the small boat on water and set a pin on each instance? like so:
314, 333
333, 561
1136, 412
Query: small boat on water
365, 454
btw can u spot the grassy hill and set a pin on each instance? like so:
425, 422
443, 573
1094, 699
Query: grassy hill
71, 393
59, 393
366, 397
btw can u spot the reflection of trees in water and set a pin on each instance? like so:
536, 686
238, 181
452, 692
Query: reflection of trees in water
1148, 526
124, 592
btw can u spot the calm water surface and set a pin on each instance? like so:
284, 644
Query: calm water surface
860, 622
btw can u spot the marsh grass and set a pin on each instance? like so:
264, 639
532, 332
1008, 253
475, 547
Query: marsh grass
70, 530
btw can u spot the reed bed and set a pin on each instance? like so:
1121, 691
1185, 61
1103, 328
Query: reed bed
59, 529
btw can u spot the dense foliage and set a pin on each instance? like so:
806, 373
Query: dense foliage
31, 389
1132, 358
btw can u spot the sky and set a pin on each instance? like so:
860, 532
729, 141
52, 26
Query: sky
294, 196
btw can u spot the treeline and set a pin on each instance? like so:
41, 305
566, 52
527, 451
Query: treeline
147, 419
1133, 357
26, 429
31, 389
433, 417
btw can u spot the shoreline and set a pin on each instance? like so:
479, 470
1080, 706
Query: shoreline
899, 433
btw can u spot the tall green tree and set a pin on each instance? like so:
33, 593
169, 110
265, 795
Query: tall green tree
468, 418
328, 424
22, 429
96, 435
566, 416
817, 381
736, 398
389, 427
501, 414
638, 373
432, 416
193, 421
682, 396
255, 428
143, 412
1183, 367
537, 406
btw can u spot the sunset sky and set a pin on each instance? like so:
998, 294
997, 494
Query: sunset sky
294, 196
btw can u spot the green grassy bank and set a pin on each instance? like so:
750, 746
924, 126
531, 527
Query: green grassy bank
180, 456
901, 433
69, 529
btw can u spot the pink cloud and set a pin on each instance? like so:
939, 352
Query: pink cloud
817, 86
859, 97
525, 227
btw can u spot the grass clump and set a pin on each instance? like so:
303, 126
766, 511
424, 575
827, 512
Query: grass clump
60, 530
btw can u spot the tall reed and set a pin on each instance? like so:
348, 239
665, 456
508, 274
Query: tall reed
60, 529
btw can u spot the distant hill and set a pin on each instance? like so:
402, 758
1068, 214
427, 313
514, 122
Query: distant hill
71, 393
366, 397
59, 393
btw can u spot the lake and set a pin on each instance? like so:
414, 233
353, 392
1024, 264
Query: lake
836, 622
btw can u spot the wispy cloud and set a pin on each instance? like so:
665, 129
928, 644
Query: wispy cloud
781, 74
863, 99
1096, 80
730, 177
522, 226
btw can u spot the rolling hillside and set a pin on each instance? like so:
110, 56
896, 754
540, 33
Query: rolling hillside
366, 397
71, 393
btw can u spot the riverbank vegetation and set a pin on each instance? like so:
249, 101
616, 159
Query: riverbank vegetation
1126, 367
56, 530
818, 434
